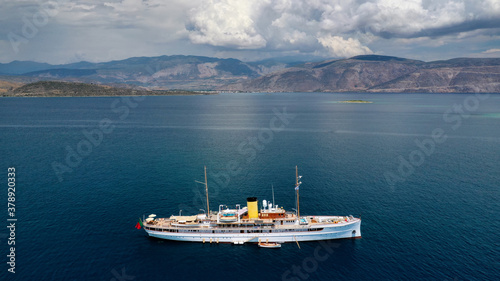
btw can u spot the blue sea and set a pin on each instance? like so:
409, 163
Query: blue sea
422, 171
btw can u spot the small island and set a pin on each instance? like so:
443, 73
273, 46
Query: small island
355, 101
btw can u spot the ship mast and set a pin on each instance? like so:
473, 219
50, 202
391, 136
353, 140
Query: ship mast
206, 191
297, 184
272, 188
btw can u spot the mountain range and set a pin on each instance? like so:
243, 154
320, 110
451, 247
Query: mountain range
368, 73
372, 73
163, 72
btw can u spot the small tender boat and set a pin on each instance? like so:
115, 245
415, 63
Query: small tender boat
269, 245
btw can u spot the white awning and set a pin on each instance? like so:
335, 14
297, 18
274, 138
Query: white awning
184, 218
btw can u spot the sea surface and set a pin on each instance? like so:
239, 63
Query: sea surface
422, 170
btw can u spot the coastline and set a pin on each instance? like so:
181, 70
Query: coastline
73, 89
103, 96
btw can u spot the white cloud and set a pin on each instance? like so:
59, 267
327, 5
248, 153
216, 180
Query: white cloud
313, 25
340, 47
126, 5
295, 36
490, 51
227, 23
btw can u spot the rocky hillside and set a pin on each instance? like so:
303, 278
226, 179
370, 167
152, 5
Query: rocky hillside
457, 75
374, 73
7, 86
163, 72
70, 89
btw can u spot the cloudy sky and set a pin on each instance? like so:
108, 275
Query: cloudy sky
61, 31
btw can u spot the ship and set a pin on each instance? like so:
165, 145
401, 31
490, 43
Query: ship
250, 224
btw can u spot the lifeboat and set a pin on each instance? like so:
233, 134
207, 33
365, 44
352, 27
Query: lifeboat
271, 245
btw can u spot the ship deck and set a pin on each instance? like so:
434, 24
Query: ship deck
287, 223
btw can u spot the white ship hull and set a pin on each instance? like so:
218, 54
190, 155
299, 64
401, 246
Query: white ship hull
350, 229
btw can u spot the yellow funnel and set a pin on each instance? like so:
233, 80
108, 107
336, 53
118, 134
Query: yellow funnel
253, 208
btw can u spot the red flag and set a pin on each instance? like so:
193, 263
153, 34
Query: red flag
138, 225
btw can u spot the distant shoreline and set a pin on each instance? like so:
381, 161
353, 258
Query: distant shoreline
74, 89
103, 96
355, 101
